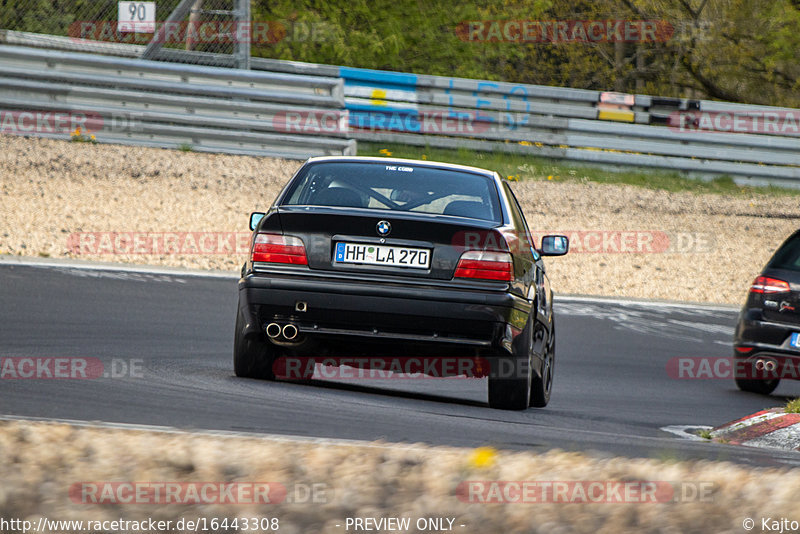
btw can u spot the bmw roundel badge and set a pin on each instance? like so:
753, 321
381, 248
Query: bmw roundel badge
383, 228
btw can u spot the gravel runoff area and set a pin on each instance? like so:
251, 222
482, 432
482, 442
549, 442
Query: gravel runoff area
58, 472
61, 199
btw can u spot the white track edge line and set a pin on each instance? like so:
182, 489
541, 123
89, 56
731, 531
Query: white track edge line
118, 267
146, 269
213, 433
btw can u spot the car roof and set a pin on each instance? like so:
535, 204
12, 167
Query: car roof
418, 162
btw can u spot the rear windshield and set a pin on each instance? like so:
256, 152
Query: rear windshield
788, 256
396, 187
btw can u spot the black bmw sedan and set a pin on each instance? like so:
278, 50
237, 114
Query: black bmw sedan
767, 337
388, 257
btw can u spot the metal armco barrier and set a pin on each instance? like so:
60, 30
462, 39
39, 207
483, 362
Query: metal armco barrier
153, 103
753, 144
578, 125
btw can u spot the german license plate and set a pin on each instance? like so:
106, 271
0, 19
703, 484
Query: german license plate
417, 258
794, 341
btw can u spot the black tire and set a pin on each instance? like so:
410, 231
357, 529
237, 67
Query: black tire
252, 356
542, 386
763, 387
510, 377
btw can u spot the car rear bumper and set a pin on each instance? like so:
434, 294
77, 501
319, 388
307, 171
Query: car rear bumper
395, 314
757, 338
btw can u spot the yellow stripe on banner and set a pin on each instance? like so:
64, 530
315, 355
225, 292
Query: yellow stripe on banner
619, 115
378, 97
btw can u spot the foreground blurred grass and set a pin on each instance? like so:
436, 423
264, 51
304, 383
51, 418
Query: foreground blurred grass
522, 167
47, 468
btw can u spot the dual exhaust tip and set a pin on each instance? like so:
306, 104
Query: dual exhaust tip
765, 364
287, 331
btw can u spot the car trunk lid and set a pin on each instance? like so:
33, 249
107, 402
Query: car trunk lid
377, 241
779, 292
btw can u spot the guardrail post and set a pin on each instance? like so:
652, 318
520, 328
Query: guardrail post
244, 30
177, 15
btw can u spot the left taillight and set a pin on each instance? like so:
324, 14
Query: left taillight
765, 284
277, 248
485, 265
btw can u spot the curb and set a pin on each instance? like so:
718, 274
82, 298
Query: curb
767, 429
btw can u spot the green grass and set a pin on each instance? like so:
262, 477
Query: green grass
522, 167
186, 147
793, 406
705, 434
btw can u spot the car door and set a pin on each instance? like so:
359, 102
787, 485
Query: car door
538, 287
524, 261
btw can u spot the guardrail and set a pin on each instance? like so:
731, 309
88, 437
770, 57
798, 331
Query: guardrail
585, 126
72, 44
153, 103
578, 125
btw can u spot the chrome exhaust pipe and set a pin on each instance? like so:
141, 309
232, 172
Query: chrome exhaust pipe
766, 364
273, 330
290, 331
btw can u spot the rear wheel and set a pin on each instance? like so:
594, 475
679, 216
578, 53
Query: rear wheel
541, 386
510, 378
252, 356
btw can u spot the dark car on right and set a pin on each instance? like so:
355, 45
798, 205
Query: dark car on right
767, 335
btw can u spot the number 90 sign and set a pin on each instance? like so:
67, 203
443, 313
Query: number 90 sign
137, 17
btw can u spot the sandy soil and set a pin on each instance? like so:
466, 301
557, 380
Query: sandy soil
45, 465
626, 241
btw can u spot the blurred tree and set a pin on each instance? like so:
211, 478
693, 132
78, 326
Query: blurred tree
419, 36
739, 50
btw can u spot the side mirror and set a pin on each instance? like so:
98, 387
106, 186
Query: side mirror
255, 218
554, 245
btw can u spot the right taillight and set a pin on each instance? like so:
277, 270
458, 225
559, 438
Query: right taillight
485, 265
277, 248
765, 284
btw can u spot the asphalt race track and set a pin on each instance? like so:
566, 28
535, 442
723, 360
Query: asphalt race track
612, 394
